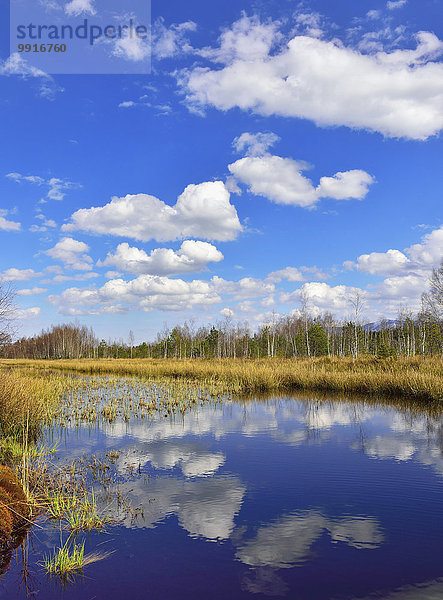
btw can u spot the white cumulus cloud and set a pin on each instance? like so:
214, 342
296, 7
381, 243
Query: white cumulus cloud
192, 256
6, 224
282, 181
323, 81
202, 210
31, 291
72, 253
27, 313
418, 258
255, 144
14, 274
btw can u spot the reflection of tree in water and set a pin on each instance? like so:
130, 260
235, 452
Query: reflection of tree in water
7, 549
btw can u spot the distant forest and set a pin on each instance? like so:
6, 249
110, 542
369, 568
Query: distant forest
295, 335
288, 337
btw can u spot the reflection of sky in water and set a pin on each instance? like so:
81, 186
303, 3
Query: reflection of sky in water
291, 494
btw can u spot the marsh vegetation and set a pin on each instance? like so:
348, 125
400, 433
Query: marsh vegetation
78, 492
410, 377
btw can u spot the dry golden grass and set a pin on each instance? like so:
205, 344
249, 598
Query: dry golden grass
413, 377
26, 400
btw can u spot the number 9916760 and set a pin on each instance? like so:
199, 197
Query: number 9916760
41, 47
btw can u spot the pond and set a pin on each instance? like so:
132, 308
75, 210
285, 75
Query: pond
297, 497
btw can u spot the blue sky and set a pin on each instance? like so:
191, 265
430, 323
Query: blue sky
277, 150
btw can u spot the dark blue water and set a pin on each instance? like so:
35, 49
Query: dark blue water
296, 498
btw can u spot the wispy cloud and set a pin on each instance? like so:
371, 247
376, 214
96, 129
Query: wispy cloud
57, 188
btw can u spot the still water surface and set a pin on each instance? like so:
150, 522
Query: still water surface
283, 497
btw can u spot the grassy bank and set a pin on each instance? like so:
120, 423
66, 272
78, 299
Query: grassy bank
412, 378
27, 400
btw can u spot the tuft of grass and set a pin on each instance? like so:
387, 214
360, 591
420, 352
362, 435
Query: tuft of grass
70, 560
77, 509
85, 516
65, 560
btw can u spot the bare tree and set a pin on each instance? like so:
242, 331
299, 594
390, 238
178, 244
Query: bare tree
7, 312
131, 340
304, 311
357, 302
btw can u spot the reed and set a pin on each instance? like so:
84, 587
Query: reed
409, 377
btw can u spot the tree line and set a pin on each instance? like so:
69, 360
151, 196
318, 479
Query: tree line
299, 334
290, 336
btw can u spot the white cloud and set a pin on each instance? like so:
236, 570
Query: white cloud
418, 259
150, 292
380, 92
393, 4
192, 256
248, 40
227, 312
429, 253
405, 288
45, 224
18, 274
56, 187
289, 273
27, 313
113, 274
134, 49
72, 253
7, 225
62, 278
51, 5
201, 210
80, 7
276, 178
170, 41
245, 288
18, 177
15, 65
350, 184
297, 274
127, 104
373, 14
31, 291
392, 261
309, 23
281, 180
146, 293
322, 297
384, 300
255, 144
161, 42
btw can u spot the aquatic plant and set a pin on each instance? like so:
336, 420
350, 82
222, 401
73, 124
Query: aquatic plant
69, 560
